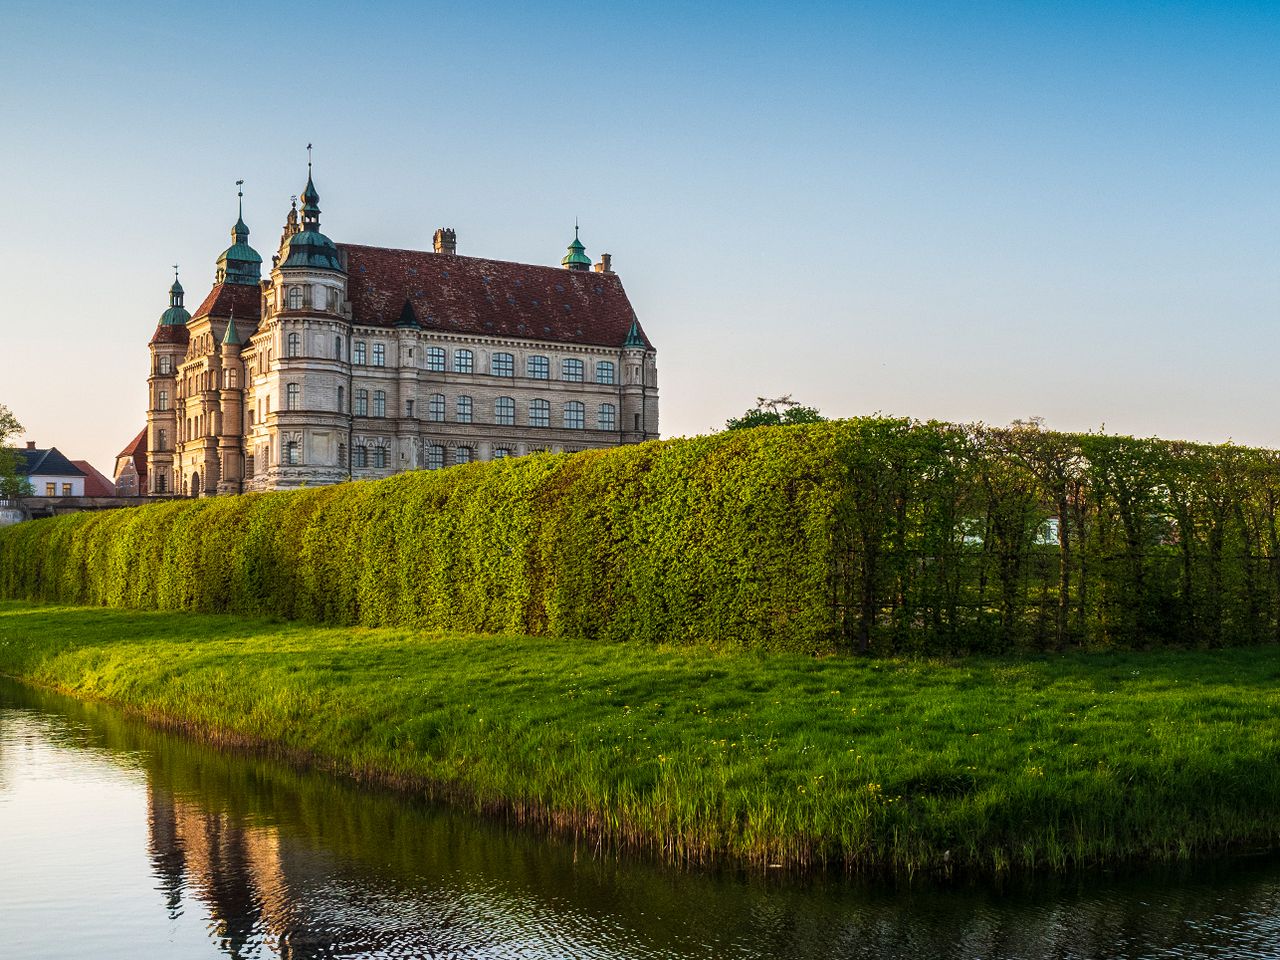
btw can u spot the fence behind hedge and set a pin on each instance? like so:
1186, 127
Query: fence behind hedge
879, 534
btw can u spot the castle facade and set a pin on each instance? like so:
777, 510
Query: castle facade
353, 362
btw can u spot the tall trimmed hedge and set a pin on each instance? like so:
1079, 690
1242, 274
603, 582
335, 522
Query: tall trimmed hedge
878, 534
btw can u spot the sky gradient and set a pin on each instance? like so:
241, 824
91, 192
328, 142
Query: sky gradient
962, 211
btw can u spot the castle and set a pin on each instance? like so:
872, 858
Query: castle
355, 362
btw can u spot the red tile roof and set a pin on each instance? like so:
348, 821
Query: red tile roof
247, 302
95, 484
486, 297
168, 334
136, 446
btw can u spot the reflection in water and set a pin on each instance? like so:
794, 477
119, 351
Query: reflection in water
249, 858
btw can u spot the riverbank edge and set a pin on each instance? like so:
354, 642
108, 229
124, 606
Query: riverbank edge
595, 824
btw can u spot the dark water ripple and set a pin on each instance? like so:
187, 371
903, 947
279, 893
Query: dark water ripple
120, 841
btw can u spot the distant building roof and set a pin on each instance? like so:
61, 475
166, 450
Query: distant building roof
136, 451
46, 463
95, 484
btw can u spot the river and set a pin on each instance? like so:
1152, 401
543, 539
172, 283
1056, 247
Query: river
118, 840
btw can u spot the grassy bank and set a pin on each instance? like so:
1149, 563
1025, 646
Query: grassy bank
982, 765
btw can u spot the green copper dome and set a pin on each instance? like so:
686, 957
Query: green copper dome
576, 258
309, 247
176, 315
239, 263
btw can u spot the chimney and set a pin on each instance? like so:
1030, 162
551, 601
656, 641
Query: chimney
31, 444
446, 241
606, 263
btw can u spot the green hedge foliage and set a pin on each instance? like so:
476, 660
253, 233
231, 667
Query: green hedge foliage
872, 534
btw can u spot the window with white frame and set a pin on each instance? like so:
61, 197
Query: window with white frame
435, 407
462, 455
574, 415
436, 359
362, 403
292, 396
379, 403
166, 364
435, 457
608, 419
504, 411
539, 367
539, 413
604, 371
571, 369
464, 361
464, 406
502, 365
293, 345
359, 357
379, 354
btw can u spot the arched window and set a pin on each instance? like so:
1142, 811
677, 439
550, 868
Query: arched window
337, 348
502, 365
342, 400
435, 408
295, 298
435, 457
571, 370
464, 409
166, 364
293, 347
539, 413
362, 403
604, 371
574, 415
379, 355
504, 411
539, 368
462, 455
464, 361
608, 417
379, 403
292, 396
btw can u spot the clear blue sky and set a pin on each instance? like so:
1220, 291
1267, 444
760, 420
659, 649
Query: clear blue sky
955, 210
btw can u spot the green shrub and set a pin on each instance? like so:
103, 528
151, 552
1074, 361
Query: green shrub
875, 534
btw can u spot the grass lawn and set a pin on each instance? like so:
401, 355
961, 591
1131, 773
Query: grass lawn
980, 765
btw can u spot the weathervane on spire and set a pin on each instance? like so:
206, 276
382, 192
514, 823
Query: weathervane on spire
308, 159
240, 194
175, 273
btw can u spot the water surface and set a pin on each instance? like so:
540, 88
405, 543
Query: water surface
117, 840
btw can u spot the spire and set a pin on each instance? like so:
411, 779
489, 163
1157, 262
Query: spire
240, 233
176, 315
239, 263
576, 258
176, 291
310, 200
231, 338
408, 318
634, 337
